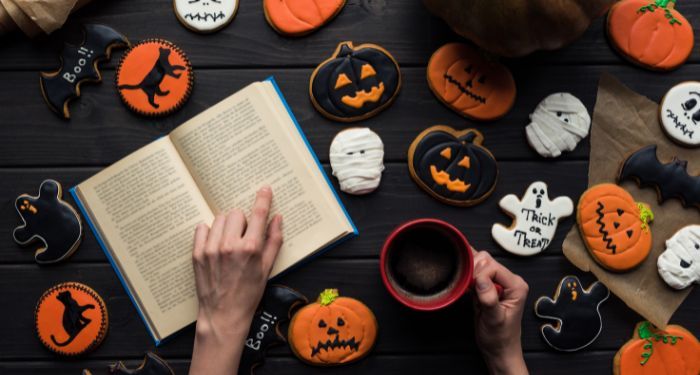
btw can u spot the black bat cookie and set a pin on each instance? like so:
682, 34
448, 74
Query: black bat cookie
576, 312
78, 65
48, 219
151, 365
671, 180
277, 305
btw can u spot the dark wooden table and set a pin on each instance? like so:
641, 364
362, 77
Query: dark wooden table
36, 145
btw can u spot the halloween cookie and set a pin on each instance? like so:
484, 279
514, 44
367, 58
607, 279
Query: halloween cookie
452, 165
650, 33
614, 228
205, 16
151, 365
300, 17
355, 83
71, 319
50, 220
679, 265
558, 124
535, 220
154, 78
357, 160
468, 83
576, 312
79, 65
679, 113
333, 330
653, 351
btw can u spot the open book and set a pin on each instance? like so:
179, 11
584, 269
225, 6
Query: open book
143, 209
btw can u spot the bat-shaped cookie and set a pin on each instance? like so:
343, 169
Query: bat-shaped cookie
671, 180
151, 365
78, 65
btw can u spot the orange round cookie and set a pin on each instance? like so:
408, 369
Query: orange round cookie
71, 319
154, 78
300, 17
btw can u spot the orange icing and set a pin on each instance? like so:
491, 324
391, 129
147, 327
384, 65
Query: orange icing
665, 358
299, 17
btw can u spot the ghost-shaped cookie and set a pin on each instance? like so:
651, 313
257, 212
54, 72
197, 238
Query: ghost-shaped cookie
557, 125
357, 160
535, 220
679, 265
205, 16
679, 113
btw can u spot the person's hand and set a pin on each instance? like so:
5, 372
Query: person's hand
232, 262
498, 318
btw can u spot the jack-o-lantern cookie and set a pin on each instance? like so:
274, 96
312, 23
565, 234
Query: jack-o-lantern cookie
650, 33
468, 83
614, 228
679, 264
332, 331
300, 17
355, 83
452, 165
71, 319
154, 78
679, 113
205, 16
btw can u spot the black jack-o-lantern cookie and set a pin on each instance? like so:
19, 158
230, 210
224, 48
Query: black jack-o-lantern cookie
452, 165
356, 83
49, 220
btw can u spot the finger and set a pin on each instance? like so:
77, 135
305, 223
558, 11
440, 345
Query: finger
200, 240
234, 227
215, 234
513, 285
259, 214
273, 242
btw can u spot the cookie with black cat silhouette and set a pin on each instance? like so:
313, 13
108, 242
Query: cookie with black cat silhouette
71, 319
154, 78
49, 220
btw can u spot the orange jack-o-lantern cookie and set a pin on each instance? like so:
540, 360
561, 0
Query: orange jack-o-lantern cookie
469, 84
300, 17
614, 227
332, 331
650, 33
154, 78
71, 319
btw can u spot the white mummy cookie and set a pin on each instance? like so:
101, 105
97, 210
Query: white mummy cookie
558, 124
680, 113
205, 16
357, 160
535, 220
679, 265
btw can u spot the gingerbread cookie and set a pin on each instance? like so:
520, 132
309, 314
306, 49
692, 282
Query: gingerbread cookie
332, 331
355, 83
464, 80
205, 16
154, 78
300, 17
679, 113
71, 319
650, 33
79, 65
679, 265
576, 312
558, 124
452, 165
535, 220
151, 365
357, 160
50, 220
614, 228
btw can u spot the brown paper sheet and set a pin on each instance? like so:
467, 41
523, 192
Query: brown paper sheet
623, 122
34, 17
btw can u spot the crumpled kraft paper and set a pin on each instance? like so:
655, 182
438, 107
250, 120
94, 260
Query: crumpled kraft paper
35, 17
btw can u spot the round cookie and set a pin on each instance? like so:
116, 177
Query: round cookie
71, 319
650, 33
679, 264
300, 17
469, 84
355, 83
154, 78
205, 16
679, 113
357, 160
557, 125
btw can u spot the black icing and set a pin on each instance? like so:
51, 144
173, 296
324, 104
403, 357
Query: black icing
150, 84
151, 365
73, 320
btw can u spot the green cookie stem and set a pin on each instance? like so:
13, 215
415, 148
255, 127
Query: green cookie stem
666, 5
646, 332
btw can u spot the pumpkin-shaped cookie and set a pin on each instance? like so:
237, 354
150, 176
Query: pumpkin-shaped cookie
614, 228
332, 331
300, 17
469, 84
452, 166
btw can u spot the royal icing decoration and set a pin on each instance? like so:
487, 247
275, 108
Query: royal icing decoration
679, 265
357, 160
680, 113
558, 124
652, 351
300, 17
205, 15
535, 220
151, 365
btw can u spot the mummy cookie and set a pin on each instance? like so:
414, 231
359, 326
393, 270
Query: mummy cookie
558, 124
205, 16
679, 265
300, 17
357, 160
535, 220
680, 113
49, 220
576, 313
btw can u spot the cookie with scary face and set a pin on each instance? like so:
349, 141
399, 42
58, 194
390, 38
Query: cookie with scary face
679, 265
205, 16
680, 113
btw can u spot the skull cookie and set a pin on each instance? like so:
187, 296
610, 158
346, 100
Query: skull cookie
679, 265
205, 16
680, 113
357, 160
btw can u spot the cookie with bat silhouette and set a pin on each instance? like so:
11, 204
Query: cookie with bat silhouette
575, 313
79, 65
50, 221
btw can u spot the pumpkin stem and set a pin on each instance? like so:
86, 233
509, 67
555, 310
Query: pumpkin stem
328, 296
667, 6
645, 214
647, 332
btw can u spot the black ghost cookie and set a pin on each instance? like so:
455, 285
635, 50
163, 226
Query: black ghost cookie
576, 312
452, 165
355, 83
50, 220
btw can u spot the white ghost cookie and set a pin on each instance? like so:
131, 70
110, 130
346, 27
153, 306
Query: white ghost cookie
357, 160
558, 124
679, 265
205, 16
680, 113
535, 220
